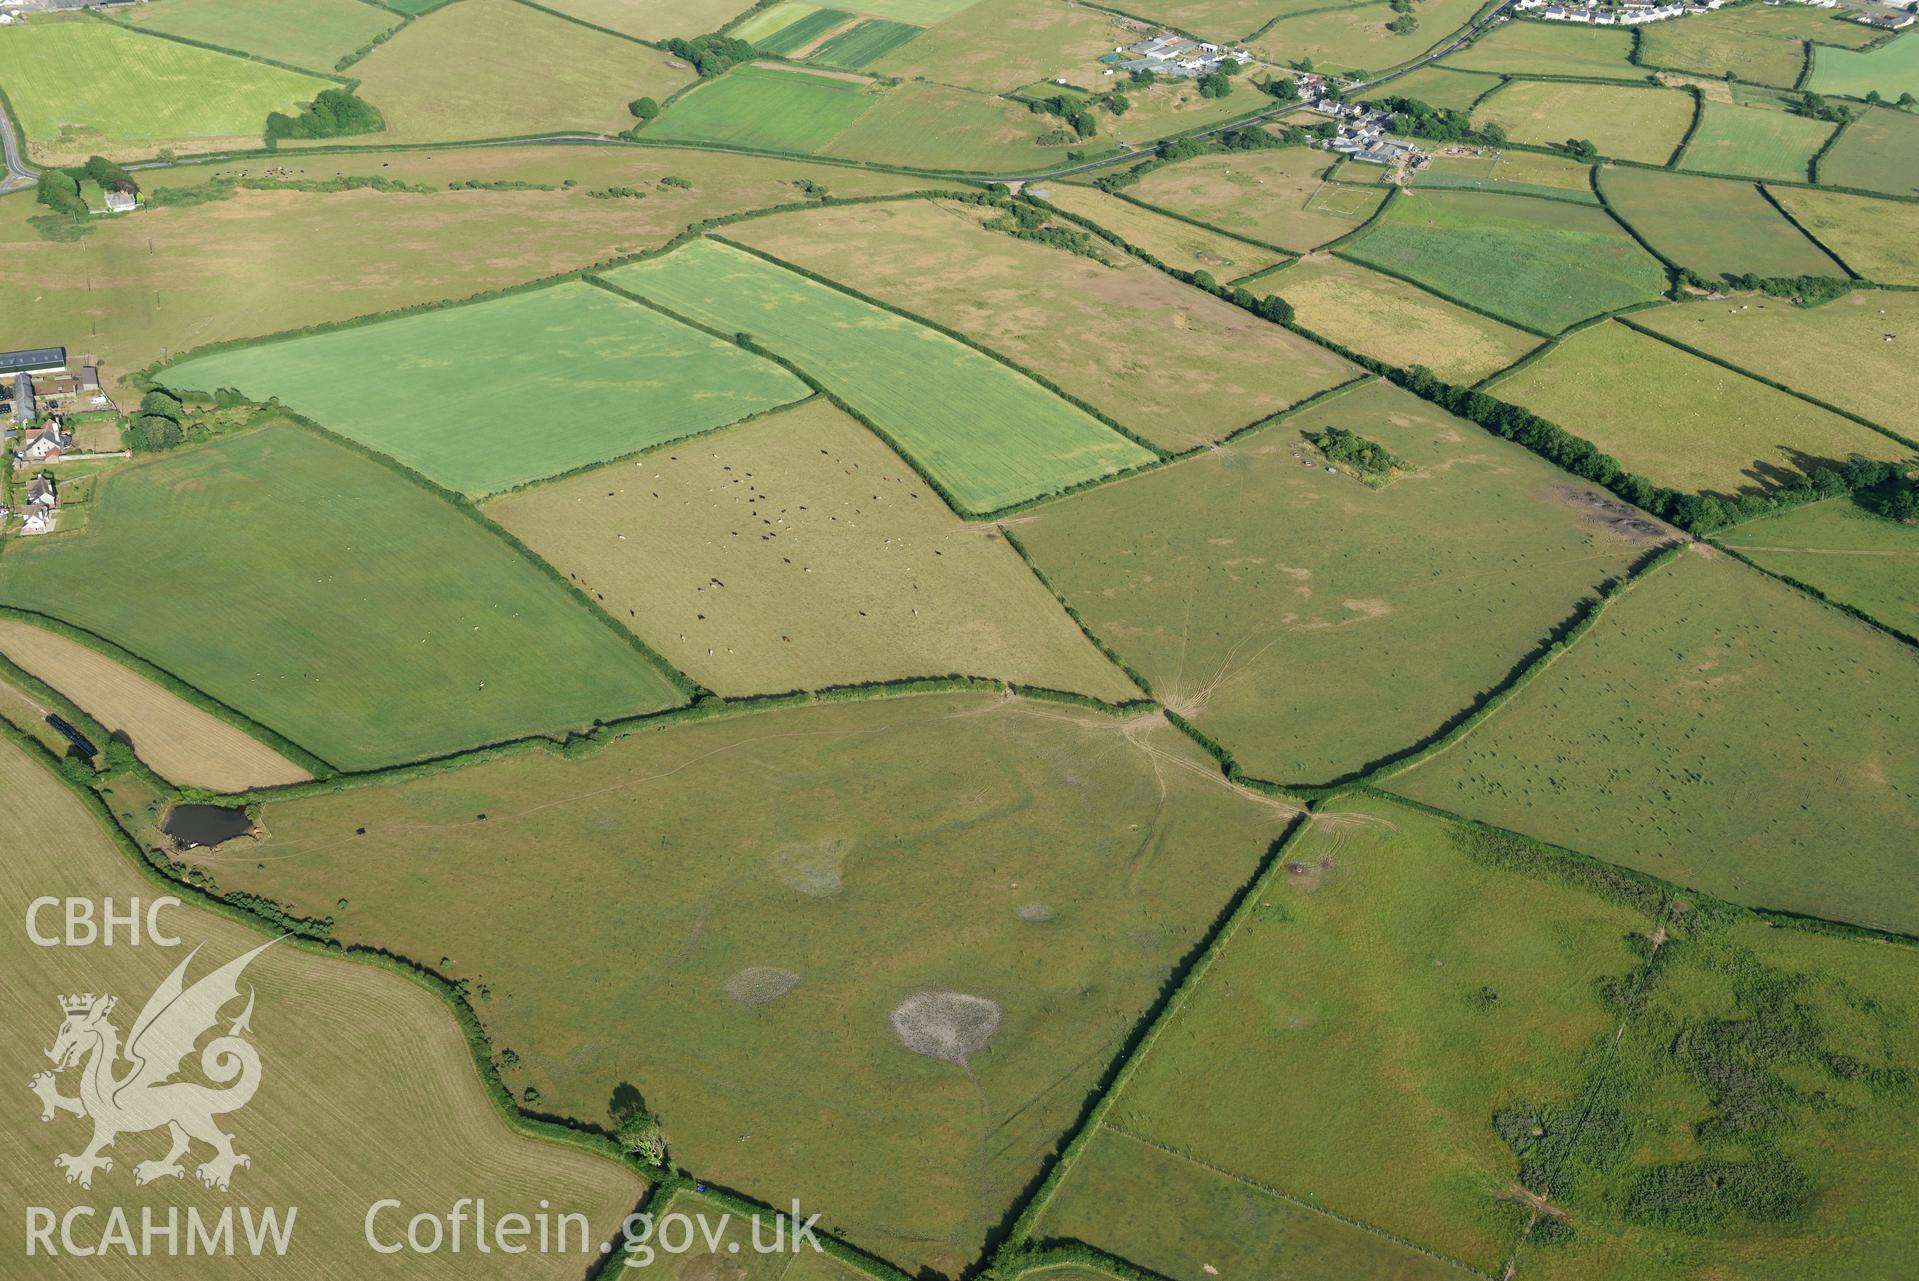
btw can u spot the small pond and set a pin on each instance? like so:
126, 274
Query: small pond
192, 825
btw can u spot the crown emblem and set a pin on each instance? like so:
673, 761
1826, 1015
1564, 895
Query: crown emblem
77, 1004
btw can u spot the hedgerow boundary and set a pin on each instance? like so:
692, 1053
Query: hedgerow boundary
113, 20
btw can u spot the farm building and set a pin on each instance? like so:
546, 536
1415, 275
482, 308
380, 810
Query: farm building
36, 360
43, 505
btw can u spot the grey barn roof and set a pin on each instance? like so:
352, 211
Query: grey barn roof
34, 361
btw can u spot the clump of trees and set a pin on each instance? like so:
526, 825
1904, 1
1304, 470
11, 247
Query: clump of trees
1284, 88
1074, 111
711, 55
643, 109
59, 191
1807, 291
1580, 148
158, 426
1366, 456
1024, 221
1215, 84
1814, 107
333, 113
1415, 119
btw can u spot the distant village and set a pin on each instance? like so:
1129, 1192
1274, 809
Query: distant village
37, 395
1171, 55
1629, 13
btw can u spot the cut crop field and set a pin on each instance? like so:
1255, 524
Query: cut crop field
1723, 731
1551, 49
1681, 421
1755, 140
1759, 44
449, 392
1175, 243
646, 20
1540, 264
998, 45
788, 25
1262, 194
1879, 239
1080, 323
798, 552
333, 601
78, 85
1398, 323
762, 107
989, 435
500, 69
1714, 226
927, 923
1890, 69
1226, 578
324, 32
1854, 556
1879, 151
1624, 122
1524, 173
1445, 87
864, 43
181, 742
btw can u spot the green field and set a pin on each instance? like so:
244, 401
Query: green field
1889, 69
457, 393
997, 45
1361, 621
1681, 421
1525, 173
1357, 37
1262, 194
1720, 730
798, 552
1714, 226
1879, 239
865, 43
1756, 141
1551, 49
988, 435
762, 24
802, 25
78, 85
805, 872
1444, 87
1540, 264
333, 601
921, 13
1177, 243
932, 126
1075, 321
1879, 151
327, 30
761, 107
1852, 555
1625, 123
1757, 43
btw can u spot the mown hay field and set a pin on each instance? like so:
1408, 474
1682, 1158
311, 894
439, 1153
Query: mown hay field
1854, 556
1723, 731
1175, 243
998, 45
313, 590
1539, 264
1625, 122
1759, 44
1890, 69
798, 552
178, 740
79, 85
1879, 239
1681, 421
989, 435
1714, 226
1879, 151
651, 21
357, 1065
1262, 194
775, 110
1301, 617
324, 32
1522, 173
452, 393
1755, 140
1551, 49
964, 849
789, 25
1398, 323
1079, 322
863, 43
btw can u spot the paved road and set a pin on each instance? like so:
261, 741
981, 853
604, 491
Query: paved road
17, 174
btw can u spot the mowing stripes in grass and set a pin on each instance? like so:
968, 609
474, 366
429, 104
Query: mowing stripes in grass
803, 29
760, 107
868, 42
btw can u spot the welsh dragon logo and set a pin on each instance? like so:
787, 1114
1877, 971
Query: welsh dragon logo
144, 1094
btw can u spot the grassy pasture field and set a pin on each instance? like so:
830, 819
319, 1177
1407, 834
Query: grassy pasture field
1297, 615
1850, 554
1222, 19
1357, 38
797, 552
500, 69
1396, 322
1681, 421
356, 1065
1262, 194
1879, 239
1511, 173
1720, 730
309, 588
78, 85
989, 435
933, 126
650, 21
1175, 243
865, 43
1757, 141
179, 741
1760, 44
1838, 352
1879, 151
1080, 323
1540, 264
763, 25
1889, 69
1627, 122
1445, 87
800, 26
777, 110
997, 45
448, 392
1052, 861
325, 31
921, 13
1715, 226
1168, 107
1551, 49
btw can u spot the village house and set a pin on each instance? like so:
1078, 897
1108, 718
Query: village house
43, 506
1888, 21
43, 444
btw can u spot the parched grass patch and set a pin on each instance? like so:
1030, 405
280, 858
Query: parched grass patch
1890, 69
1311, 623
1720, 730
1445, 87
448, 392
1756, 141
1084, 324
1716, 227
1359, 38
1879, 151
180, 741
921, 13
1523, 173
1626, 122
1879, 239
1175, 243
77, 85
1551, 49
933, 126
1852, 555
333, 601
1762, 44
325, 31
864, 43
938, 816
762, 107
1272, 196
989, 435
651, 21
1396, 322
1538, 263
1682, 421
997, 45
763, 24
798, 552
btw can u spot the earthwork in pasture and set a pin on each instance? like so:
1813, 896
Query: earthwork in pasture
1760, 44
312, 589
1714, 226
1890, 69
1076, 321
989, 435
453, 393
1175, 243
797, 552
1755, 140
1879, 151
1854, 556
1624, 122
1406, 601
1262, 194
1551, 49
1636, 746
325, 32
1681, 421
944, 813
1879, 239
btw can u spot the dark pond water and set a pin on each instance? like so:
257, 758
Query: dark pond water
205, 824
